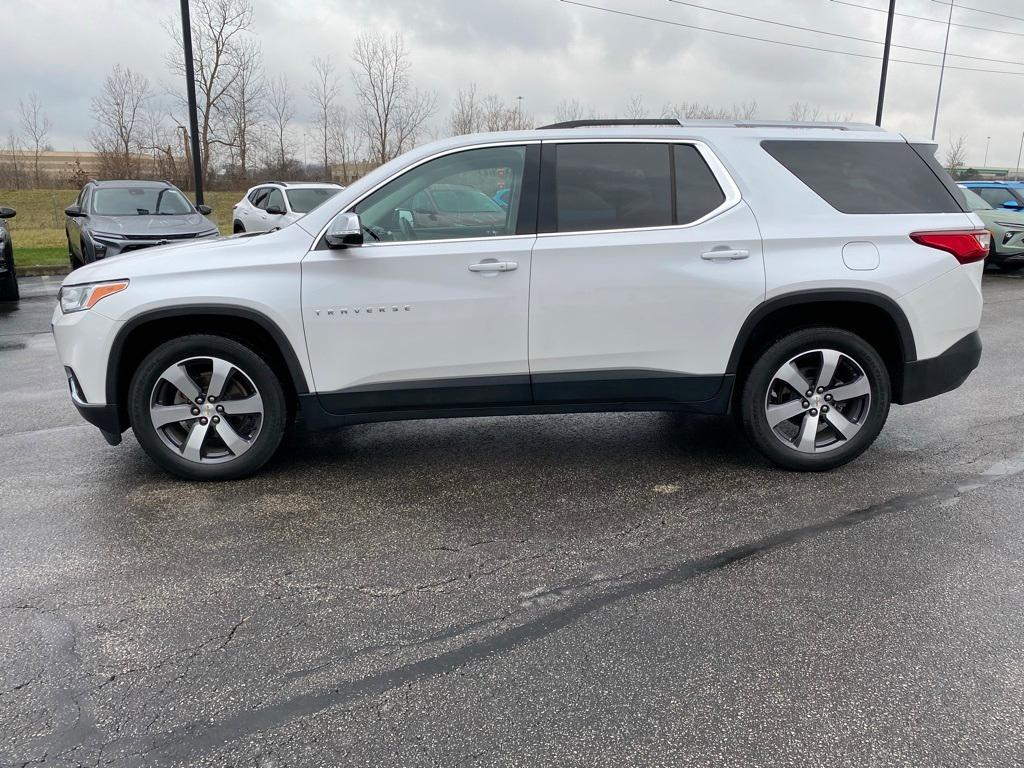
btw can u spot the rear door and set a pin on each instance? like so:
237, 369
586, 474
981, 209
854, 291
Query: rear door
646, 265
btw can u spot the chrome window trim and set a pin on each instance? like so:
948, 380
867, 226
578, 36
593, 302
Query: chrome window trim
451, 151
718, 170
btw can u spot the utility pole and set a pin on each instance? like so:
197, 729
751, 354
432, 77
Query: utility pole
942, 69
885, 62
193, 115
988, 140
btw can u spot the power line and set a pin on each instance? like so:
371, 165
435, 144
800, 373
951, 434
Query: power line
781, 42
981, 10
838, 34
926, 18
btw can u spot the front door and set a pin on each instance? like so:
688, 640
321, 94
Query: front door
646, 266
429, 313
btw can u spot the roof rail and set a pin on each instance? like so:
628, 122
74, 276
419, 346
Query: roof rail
279, 183
599, 123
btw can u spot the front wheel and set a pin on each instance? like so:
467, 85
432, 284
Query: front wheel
207, 408
816, 399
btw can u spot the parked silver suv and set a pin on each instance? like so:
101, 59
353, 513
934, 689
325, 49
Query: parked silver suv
114, 217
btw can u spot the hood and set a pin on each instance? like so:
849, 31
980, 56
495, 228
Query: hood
1004, 215
238, 251
151, 226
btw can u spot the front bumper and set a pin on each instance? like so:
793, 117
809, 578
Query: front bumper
927, 378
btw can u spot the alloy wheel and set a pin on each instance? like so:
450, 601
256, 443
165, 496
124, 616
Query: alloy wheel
818, 401
206, 409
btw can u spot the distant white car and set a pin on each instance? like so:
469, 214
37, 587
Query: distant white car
277, 204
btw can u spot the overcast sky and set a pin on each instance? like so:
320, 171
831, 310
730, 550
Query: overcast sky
546, 51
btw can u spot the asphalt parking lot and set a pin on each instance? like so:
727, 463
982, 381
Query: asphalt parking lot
626, 589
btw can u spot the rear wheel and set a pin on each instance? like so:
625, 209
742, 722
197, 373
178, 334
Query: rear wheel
816, 399
237, 227
207, 408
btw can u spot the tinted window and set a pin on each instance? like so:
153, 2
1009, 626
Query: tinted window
697, 189
254, 194
140, 201
260, 200
975, 202
450, 197
305, 200
995, 196
276, 199
866, 176
612, 186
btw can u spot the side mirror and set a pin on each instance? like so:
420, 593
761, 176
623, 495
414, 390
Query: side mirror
275, 211
345, 231
204, 209
7, 213
1013, 205
74, 212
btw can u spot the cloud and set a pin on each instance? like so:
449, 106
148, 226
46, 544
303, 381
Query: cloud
546, 51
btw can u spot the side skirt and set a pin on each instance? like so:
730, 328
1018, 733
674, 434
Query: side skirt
322, 411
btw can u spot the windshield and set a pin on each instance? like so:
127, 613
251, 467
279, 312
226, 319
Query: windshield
140, 201
975, 201
305, 200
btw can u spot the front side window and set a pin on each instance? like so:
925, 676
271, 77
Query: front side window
975, 201
997, 196
451, 197
275, 199
140, 201
612, 186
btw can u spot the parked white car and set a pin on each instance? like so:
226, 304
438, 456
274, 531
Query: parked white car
804, 276
277, 204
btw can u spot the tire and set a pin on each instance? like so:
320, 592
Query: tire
831, 430
9, 280
237, 227
73, 260
216, 444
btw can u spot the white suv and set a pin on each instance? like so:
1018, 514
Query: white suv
803, 277
277, 204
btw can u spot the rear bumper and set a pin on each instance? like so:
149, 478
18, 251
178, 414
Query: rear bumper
927, 378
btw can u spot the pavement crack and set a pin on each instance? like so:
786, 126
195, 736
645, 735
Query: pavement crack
197, 736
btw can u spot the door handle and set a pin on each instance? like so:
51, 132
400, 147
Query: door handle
494, 266
726, 255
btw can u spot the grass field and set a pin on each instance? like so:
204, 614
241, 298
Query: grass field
38, 230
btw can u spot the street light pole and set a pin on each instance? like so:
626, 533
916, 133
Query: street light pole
1016, 175
942, 69
190, 84
988, 140
885, 62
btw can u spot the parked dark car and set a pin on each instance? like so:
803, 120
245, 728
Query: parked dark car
114, 217
8, 277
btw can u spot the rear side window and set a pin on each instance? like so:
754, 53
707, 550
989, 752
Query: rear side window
612, 186
697, 189
866, 176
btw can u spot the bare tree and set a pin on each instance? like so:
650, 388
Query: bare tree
36, 125
693, 110
345, 145
392, 112
956, 155
571, 109
280, 111
13, 158
745, 111
635, 109
323, 92
218, 32
244, 102
496, 115
467, 114
802, 112
118, 114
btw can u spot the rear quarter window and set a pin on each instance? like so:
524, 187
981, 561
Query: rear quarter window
868, 177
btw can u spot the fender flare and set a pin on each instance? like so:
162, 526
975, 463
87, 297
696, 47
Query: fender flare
812, 296
291, 360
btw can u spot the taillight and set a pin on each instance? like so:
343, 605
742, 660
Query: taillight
966, 245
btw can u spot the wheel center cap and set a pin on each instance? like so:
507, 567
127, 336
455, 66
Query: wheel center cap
816, 401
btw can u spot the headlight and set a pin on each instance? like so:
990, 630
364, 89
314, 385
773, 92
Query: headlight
1008, 224
210, 233
106, 235
75, 298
